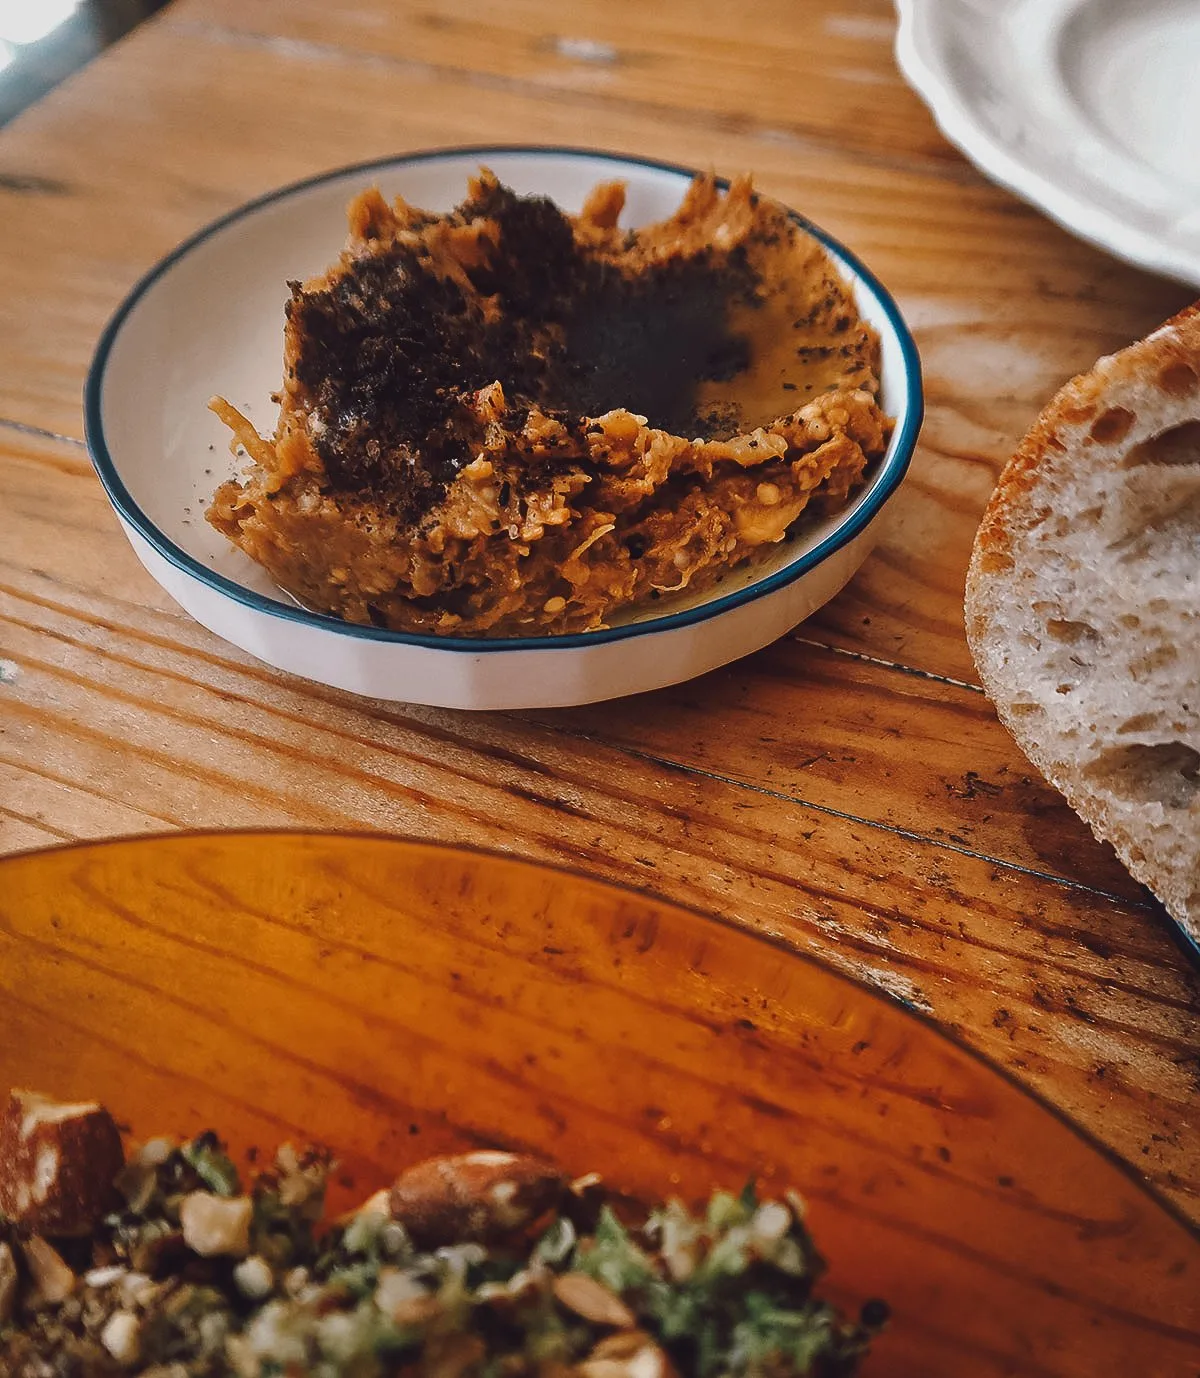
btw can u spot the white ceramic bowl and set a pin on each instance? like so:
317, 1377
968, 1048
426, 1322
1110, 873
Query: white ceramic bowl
209, 319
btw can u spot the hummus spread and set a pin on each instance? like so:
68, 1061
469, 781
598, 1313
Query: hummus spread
509, 421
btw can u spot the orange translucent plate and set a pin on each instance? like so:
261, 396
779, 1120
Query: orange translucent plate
396, 999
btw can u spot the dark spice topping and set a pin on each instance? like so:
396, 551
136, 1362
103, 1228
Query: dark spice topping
388, 354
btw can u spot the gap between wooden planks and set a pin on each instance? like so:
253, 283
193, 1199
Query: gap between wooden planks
878, 744
119, 697
112, 180
128, 717
809, 74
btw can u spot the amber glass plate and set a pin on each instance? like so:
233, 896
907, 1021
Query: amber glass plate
395, 999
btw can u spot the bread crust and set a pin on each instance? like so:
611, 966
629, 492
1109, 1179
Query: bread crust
1175, 344
1099, 425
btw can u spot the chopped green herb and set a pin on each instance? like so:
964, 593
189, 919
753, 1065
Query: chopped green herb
725, 1293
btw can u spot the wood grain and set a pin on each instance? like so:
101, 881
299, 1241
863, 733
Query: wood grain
119, 696
396, 1000
819, 77
1032, 306
800, 721
847, 791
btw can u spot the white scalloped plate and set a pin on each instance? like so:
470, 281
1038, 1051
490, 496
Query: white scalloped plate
1090, 109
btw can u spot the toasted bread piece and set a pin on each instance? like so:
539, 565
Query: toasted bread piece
1083, 605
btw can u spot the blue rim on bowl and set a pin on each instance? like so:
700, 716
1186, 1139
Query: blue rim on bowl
885, 483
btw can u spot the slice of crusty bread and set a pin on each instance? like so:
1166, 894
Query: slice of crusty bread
1083, 605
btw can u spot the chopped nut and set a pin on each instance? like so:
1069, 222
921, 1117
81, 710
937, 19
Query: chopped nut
155, 1152
797, 1203
8, 1284
592, 1300
451, 1200
455, 1356
159, 1249
379, 1204
53, 1281
295, 1281
301, 1178
241, 1356
603, 1368
137, 1182
175, 1291
215, 1225
138, 1289
648, 1361
624, 1345
416, 1311
122, 1337
394, 1240
58, 1162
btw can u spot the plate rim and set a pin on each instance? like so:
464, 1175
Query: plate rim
1082, 217
757, 936
887, 480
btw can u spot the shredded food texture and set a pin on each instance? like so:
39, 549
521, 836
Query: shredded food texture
507, 420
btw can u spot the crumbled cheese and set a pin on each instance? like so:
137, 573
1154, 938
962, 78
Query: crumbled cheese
104, 1277
254, 1277
771, 1221
122, 1337
279, 1334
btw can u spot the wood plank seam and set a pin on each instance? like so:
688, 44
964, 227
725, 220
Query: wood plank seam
909, 835
36, 822
25, 428
898, 666
1064, 1007
571, 734
906, 961
794, 136
16, 763
634, 753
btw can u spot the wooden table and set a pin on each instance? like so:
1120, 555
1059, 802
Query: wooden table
850, 788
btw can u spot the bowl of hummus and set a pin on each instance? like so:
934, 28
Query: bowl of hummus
544, 427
